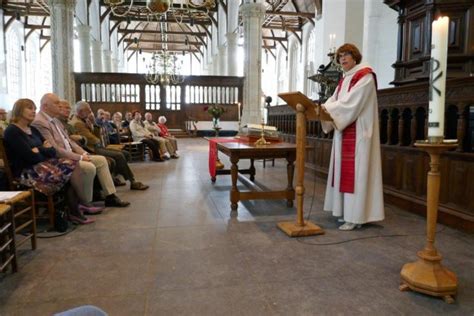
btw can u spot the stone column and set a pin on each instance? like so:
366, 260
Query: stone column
115, 64
107, 60
62, 49
232, 45
252, 15
97, 56
84, 35
222, 61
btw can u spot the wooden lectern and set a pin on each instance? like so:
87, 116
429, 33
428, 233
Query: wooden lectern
305, 109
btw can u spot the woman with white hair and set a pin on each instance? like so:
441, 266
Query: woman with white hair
164, 132
154, 128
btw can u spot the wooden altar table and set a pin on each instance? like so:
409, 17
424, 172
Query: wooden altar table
240, 150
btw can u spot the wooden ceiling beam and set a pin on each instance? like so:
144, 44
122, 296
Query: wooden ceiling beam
36, 27
160, 41
150, 49
307, 15
126, 31
275, 38
167, 20
289, 29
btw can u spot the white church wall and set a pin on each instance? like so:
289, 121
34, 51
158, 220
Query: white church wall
354, 23
269, 82
380, 40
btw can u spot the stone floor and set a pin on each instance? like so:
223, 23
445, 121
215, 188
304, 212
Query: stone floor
179, 251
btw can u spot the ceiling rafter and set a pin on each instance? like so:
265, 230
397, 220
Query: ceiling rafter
286, 16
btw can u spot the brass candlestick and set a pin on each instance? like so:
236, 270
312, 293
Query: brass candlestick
262, 141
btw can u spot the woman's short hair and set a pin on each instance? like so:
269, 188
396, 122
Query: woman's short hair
162, 120
135, 113
18, 108
350, 49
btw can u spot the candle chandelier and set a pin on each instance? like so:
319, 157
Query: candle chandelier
164, 68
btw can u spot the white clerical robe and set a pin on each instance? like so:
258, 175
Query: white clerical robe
359, 104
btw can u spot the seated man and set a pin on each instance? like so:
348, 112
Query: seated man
91, 165
64, 115
3, 120
128, 119
140, 134
112, 130
153, 128
85, 128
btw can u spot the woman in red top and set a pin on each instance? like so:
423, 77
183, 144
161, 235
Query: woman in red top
164, 132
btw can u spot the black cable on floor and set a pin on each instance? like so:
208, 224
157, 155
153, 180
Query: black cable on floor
362, 238
47, 236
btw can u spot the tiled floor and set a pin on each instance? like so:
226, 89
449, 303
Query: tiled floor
179, 251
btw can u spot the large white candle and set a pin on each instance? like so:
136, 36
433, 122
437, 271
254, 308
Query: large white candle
437, 95
238, 111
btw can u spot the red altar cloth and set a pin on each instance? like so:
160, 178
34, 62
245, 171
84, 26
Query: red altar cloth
213, 152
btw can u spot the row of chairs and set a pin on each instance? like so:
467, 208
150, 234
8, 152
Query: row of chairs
17, 227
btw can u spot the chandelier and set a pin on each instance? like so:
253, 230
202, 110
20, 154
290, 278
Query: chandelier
164, 68
159, 7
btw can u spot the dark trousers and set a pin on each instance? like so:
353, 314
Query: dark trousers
121, 164
154, 145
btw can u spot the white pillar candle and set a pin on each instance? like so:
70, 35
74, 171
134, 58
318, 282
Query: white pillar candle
437, 95
238, 111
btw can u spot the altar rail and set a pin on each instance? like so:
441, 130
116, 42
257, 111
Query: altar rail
403, 120
124, 92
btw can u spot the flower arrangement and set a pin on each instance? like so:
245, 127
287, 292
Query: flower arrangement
215, 111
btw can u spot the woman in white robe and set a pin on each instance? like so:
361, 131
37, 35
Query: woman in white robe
354, 188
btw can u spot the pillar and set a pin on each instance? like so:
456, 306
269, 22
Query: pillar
222, 61
252, 15
232, 45
107, 60
62, 49
84, 35
97, 56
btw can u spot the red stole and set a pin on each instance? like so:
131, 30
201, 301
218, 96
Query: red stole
349, 136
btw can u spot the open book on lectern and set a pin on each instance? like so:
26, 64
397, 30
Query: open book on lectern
313, 110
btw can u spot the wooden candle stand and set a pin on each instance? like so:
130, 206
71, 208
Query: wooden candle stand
428, 275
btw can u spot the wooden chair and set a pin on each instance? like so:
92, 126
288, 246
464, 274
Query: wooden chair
41, 200
8, 254
24, 216
136, 149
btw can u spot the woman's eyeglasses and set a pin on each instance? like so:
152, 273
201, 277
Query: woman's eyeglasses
344, 55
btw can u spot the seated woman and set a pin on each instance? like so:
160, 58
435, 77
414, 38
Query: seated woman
153, 128
34, 163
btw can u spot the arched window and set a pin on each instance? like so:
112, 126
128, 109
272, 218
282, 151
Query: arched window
32, 72
310, 86
14, 62
282, 71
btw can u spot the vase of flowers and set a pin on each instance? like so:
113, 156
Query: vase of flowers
215, 112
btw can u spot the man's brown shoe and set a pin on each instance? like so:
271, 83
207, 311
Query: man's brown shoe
138, 186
